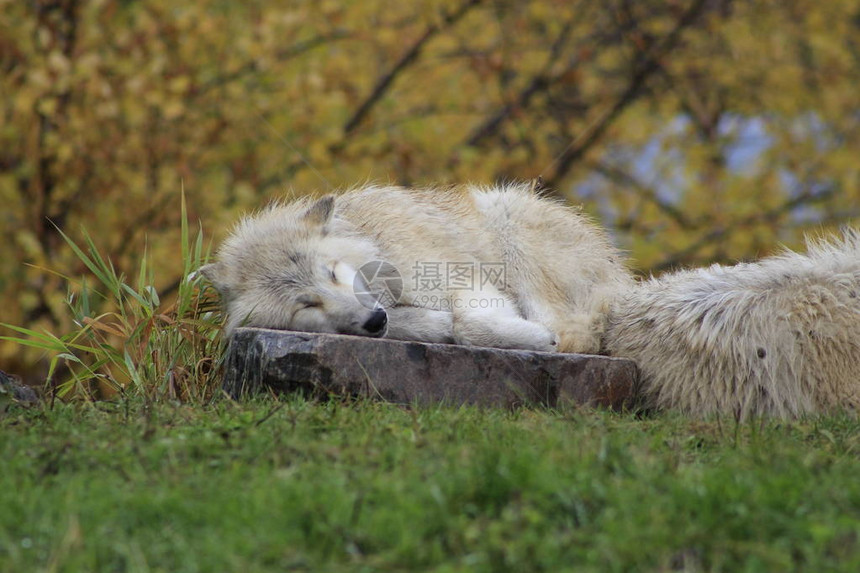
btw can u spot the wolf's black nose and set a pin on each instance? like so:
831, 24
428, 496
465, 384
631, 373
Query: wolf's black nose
376, 322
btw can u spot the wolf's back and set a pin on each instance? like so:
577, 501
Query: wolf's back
778, 337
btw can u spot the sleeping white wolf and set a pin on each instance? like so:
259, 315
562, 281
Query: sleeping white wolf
507, 268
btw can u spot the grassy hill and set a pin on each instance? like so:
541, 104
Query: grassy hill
301, 485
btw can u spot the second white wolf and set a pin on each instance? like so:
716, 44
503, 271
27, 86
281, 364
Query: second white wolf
780, 336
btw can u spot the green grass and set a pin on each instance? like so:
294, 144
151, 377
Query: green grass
299, 485
126, 340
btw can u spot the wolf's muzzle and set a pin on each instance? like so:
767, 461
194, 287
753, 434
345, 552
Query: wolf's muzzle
377, 321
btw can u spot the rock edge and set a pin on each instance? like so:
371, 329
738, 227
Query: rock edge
417, 373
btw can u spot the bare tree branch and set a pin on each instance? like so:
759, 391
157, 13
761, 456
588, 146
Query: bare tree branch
705, 110
626, 180
718, 234
539, 83
409, 57
281, 55
649, 64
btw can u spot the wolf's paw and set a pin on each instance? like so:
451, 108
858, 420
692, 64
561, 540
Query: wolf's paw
577, 340
538, 337
503, 332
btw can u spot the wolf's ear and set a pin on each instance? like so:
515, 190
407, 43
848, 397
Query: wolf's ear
213, 273
321, 211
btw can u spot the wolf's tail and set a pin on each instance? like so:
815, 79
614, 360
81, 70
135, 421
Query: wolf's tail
778, 337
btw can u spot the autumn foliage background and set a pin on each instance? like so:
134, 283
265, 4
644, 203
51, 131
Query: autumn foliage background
697, 131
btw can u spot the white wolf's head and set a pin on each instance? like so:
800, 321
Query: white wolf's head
294, 267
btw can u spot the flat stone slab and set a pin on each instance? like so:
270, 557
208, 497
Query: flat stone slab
261, 360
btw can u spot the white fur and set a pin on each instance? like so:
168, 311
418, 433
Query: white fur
561, 270
778, 337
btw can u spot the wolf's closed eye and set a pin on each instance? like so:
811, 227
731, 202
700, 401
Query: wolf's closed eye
332, 271
309, 301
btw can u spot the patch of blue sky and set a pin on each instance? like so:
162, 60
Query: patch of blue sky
659, 163
748, 139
